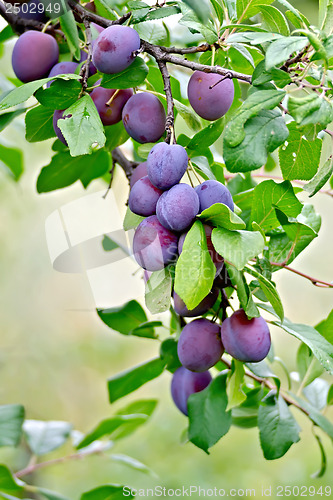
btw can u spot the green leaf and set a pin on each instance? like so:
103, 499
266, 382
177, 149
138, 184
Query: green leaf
132, 76
43, 437
83, 127
39, 124
11, 420
299, 158
7, 482
13, 159
327, 25
253, 38
108, 426
131, 220
152, 32
315, 415
325, 328
280, 50
237, 247
158, 291
144, 407
318, 344
322, 176
208, 418
132, 463
161, 13
130, 380
105, 8
261, 76
270, 292
7, 118
221, 215
195, 270
256, 102
269, 195
246, 414
129, 319
263, 134
116, 135
274, 20
207, 136
69, 28
22, 93
169, 354
308, 366
6, 34
108, 492
235, 393
311, 110
60, 95
278, 429
201, 9
249, 8
51, 495
323, 465
64, 170
189, 116
243, 292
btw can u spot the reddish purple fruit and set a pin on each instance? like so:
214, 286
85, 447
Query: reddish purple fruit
199, 345
246, 339
114, 47
34, 55
62, 68
144, 197
211, 192
204, 306
177, 208
154, 247
210, 103
110, 103
166, 164
144, 118
184, 383
139, 172
59, 115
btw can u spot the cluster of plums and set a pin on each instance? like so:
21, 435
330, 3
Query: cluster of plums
168, 205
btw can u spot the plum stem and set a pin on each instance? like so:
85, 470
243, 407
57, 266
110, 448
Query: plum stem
170, 119
84, 73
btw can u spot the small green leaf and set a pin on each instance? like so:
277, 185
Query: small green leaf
169, 354
221, 215
257, 101
131, 220
132, 463
207, 136
249, 8
13, 159
269, 195
126, 319
274, 19
83, 127
308, 366
43, 437
60, 95
235, 393
116, 135
39, 124
325, 328
51, 495
270, 291
201, 9
8, 483
69, 28
243, 292
237, 247
158, 291
132, 76
317, 417
299, 158
280, 50
7, 118
208, 415
108, 492
261, 76
278, 429
11, 420
130, 380
195, 270
322, 176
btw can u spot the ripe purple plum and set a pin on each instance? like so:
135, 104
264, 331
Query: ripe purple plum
62, 68
139, 172
199, 345
59, 115
144, 197
204, 306
166, 164
144, 118
34, 55
177, 208
110, 103
217, 259
184, 383
246, 339
114, 47
210, 103
154, 247
211, 192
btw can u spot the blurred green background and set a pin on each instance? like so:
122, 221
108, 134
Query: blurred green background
55, 354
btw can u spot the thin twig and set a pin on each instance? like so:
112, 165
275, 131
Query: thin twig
81, 13
84, 73
170, 119
314, 281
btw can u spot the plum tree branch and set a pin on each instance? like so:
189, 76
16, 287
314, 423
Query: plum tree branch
127, 165
314, 281
170, 120
81, 13
84, 73
20, 25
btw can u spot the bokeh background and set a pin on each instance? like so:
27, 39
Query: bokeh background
56, 355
